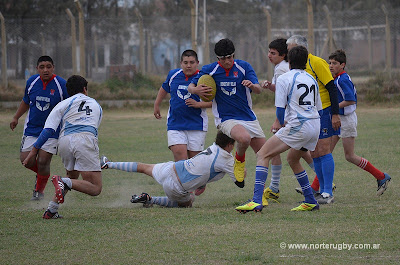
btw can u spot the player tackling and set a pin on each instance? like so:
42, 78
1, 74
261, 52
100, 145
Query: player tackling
180, 178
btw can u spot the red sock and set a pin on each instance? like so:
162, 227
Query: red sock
240, 158
367, 166
41, 182
315, 184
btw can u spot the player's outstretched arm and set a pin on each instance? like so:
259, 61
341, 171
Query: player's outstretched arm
346, 103
23, 107
256, 88
41, 140
160, 96
276, 126
332, 90
30, 159
268, 85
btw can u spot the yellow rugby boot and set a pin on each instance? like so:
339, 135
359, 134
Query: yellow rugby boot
249, 206
306, 207
269, 194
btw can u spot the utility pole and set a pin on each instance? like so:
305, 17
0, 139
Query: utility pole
73, 41
310, 24
82, 55
3, 53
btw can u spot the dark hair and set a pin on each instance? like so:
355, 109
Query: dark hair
75, 85
188, 53
223, 140
224, 47
44, 58
298, 57
279, 45
338, 55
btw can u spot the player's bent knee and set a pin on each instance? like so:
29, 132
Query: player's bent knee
244, 139
43, 162
263, 159
96, 191
352, 159
290, 161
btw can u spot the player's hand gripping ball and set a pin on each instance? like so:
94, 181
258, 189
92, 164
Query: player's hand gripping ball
207, 80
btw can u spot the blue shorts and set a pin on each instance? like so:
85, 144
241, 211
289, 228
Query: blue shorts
326, 124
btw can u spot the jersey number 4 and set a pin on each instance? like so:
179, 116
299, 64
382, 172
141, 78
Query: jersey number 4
308, 91
87, 109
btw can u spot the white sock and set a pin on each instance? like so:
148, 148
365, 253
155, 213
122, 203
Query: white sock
275, 177
325, 194
68, 182
53, 207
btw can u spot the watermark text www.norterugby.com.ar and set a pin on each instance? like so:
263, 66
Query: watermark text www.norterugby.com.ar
334, 246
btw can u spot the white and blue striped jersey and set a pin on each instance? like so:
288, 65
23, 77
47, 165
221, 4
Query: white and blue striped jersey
42, 98
78, 113
347, 92
232, 100
298, 92
207, 166
180, 116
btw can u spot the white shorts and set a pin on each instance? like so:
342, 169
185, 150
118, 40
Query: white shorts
79, 151
305, 137
349, 125
252, 127
50, 146
164, 174
193, 139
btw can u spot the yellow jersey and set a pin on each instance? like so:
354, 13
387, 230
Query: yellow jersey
319, 69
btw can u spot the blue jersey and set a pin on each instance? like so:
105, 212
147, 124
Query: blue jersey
181, 116
347, 92
42, 98
232, 100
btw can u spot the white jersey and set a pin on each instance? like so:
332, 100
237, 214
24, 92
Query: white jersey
298, 92
78, 113
207, 166
280, 69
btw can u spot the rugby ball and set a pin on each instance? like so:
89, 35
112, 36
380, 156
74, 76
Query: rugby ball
207, 80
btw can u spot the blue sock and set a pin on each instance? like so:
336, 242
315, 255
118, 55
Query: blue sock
318, 170
328, 170
302, 178
275, 177
259, 184
124, 166
164, 201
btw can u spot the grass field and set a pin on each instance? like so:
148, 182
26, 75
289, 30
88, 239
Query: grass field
108, 229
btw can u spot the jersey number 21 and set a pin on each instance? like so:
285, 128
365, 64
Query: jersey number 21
308, 91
